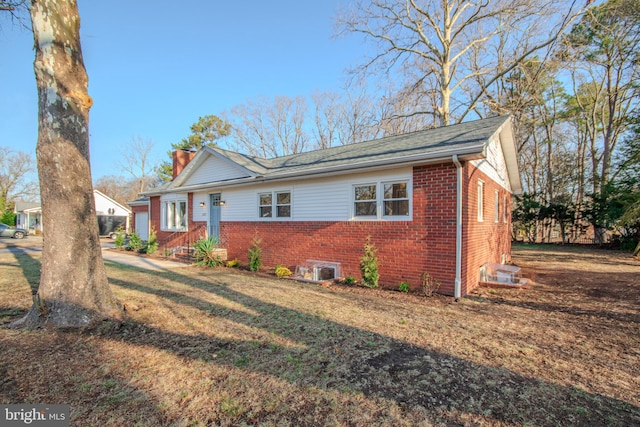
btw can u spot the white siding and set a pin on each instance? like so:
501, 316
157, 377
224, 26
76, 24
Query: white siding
494, 166
325, 199
215, 169
200, 213
103, 205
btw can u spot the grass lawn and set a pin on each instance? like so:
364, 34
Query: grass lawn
221, 347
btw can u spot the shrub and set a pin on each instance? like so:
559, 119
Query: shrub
205, 254
120, 238
233, 263
151, 246
255, 254
404, 287
349, 280
429, 284
135, 243
282, 271
369, 266
9, 217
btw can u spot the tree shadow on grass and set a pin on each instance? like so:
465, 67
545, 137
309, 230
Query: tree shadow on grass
415, 378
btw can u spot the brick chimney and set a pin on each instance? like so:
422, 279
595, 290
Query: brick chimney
181, 159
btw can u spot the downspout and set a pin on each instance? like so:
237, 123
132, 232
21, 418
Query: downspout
457, 289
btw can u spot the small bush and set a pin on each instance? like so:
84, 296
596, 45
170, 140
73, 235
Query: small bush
255, 254
349, 280
135, 243
369, 266
404, 287
120, 238
205, 254
282, 271
151, 246
233, 263
429, 284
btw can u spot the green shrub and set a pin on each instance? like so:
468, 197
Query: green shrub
205, 254
120, 238
135, 243
369, 265
151, 246
350, 280
233, 263
282, 271
255, 254
404, 287
9, 217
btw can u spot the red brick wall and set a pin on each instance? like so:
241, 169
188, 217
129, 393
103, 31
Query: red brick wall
484, 241
407, 249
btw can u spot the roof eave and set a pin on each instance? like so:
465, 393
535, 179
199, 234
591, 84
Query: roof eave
464, 154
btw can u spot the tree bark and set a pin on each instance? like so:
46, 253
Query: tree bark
73, 290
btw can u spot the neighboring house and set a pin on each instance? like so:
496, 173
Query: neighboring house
110, 214
28, 216
436, 201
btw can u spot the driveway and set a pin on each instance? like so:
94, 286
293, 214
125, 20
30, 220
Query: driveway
34, 244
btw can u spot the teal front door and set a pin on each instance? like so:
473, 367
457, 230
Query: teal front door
214, 216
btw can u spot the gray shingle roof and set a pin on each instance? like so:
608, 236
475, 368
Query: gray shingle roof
466, 140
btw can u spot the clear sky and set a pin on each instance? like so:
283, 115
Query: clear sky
156, 66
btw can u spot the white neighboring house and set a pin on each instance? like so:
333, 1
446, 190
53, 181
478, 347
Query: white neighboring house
28, 216
110, 215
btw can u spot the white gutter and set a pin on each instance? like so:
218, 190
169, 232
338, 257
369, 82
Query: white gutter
457, 287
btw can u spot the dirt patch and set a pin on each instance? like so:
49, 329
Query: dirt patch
219, 347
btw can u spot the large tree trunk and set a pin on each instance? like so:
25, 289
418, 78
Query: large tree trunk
74, 290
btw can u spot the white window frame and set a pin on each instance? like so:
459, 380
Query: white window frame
275, 205
480, 201
496, 215
408, 199
380, 200
261, 206
167, 216
374, 201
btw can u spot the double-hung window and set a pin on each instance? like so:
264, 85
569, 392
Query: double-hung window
174, 215
388, 200
281, 208
396, 199
366, 203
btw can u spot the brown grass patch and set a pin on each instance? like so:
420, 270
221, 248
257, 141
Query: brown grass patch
220, 347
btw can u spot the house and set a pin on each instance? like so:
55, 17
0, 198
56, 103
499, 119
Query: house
28, 216
110, 214
436, 201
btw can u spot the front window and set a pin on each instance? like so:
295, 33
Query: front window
365, 200
174, 215
396, 199
266, 205
283, 205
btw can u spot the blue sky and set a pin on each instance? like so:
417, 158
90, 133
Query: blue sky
156, 66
